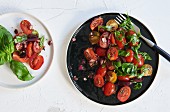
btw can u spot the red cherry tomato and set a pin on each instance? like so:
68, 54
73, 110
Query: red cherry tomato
102, 70
36, 47
124, 93
103, 41
110, 65
112, 53
96, 22
123, 78
98, 80
37, 62
90, 56
130, 33
101, 51
129, 58
25, 26
140, 60
121, 43
109, 89
131, 44
112, 38
16, 57
29, 50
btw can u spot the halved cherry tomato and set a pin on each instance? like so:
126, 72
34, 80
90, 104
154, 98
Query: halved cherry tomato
129, 58
29, 50
123, 78
36, 47
124, 93
37, 62
98, 80
112, 53
103, 42
140, 60
112, 38
101, 51
121, 43
111, 76
130, 33
96, 22
102, 70
16, 57
90, 56
109, 89
25, 26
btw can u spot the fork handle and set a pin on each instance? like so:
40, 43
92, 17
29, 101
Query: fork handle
161, 52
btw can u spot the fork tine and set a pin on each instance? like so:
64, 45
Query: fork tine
116, 21
122, 16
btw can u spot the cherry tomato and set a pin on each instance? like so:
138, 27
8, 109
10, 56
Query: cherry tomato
131, 44
96, 22
112, 38
111, 76
101, 51
140, 60
94, 37
147, 69
98, 80
16, 57
112, 53
109, 89
102, 70
124, 93
37, 62
110, 65
121, 43
130, 33
123, 78
129, 58
36, 47
29, 50
103, 42
112, 23
25, 26
90, 56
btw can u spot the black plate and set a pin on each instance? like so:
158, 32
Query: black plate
75, 56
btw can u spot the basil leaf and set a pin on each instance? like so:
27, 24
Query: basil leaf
42, 41
127, 22
145, 55
20, 70
6, 41
138, 86
123, 53
133, 38
20, 39
117, 64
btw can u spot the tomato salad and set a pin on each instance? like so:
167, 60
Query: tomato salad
28, 46
115, 51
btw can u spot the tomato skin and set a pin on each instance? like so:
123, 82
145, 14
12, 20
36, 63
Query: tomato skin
130, 33
109, 89
103, 41
37, 62
140, 62
96, 22
110, 65
124, 93
25, 26
102, 71
101, 51
121, 43
112, 38
123, 78
98, 80
16, 57
29, 50
36, 47
112, 53
129, 58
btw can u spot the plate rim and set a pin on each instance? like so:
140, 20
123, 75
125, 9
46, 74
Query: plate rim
20, 86
84, 96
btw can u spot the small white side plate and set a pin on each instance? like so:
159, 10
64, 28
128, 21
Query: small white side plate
11, 22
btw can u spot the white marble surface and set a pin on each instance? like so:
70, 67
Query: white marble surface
55, 93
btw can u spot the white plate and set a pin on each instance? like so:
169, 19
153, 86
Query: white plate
11, 22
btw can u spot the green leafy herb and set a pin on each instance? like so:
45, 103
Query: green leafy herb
20, 39
42, 41
20, 70
133, 38
35, 32
123, 53
108, 56
127, 24
138, 86
145, 55
119, 35
117, 64
107, 28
